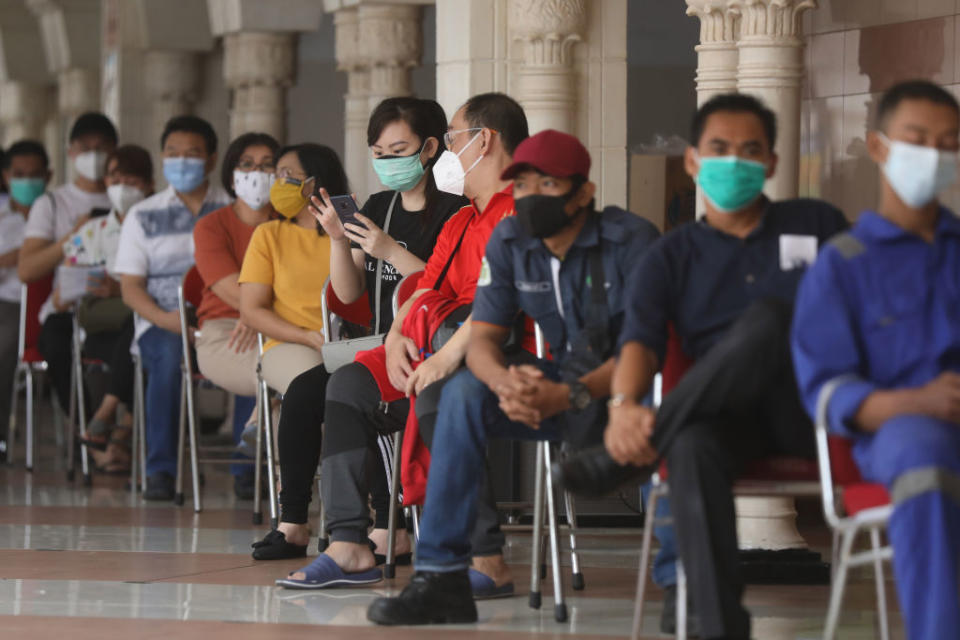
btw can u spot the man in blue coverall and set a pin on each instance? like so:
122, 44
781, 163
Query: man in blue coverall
566, 266
876, 336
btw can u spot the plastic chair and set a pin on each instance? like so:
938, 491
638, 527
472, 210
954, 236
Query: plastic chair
850, 505
774, 476
265, 437
358, 312
29, 362
78, 405
190, 292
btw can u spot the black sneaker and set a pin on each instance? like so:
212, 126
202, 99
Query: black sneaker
160, 486
668, 618
592, 472
430, 598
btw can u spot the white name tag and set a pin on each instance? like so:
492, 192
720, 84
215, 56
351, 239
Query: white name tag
797, 252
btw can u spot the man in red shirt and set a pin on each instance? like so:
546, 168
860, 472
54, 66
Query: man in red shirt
370, 397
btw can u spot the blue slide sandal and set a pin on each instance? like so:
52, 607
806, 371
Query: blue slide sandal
484, 588
323, 573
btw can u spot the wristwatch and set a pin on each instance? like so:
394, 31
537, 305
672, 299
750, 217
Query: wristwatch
580, 397
617, 400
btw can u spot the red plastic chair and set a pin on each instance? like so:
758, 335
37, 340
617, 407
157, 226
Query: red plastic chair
29, 359
358, 312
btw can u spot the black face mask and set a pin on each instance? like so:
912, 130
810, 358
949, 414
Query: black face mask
543, 216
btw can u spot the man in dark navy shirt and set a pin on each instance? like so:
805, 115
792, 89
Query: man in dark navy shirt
724, 286
565, 266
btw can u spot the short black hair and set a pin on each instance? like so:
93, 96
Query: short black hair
93, 122
132, 160
501, 113
913, 90
235, 151
191, 124
321, 163
25, 148
734, 103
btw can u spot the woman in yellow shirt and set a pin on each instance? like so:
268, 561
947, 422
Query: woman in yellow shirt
287, 263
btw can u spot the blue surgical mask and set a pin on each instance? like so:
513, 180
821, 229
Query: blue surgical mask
399, 173
916, 173
184, 174
731, 183
26, 190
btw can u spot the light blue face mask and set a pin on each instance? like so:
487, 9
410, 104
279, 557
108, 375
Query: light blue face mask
399, 173
731, 183
26, 190
184, 174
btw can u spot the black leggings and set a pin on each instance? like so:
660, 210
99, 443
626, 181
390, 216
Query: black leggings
300, 439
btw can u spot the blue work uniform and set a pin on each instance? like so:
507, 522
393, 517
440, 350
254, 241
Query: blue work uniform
880, 310
518, 273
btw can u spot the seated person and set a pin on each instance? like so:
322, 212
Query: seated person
726, 285
26, 172
405, 137
369, 397
53, 220
156, 250
565, 266
287, 263
876, 342
226, 347
107, 322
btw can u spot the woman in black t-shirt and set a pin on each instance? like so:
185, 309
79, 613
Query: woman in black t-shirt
405, 137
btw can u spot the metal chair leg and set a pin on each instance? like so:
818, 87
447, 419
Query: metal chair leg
881, 585
258, 468
415, 516
81, 405
390, 568
31, 402
535, 541
568, 507
638, 601
181, 445
323, 541
560, 606
72, 414
681, 601
271, 471
839, 583
194, 442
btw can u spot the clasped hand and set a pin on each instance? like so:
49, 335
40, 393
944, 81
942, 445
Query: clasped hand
527, 396
627, 436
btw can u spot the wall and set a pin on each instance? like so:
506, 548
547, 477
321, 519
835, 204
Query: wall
857, 49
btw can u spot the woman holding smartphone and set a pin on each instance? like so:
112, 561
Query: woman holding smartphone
286, 264
405, 136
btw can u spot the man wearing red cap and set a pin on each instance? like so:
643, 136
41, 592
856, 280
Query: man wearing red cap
565, 266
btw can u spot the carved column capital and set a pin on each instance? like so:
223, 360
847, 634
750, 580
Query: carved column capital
172, 75
390, 36
775, 19
548, 29
259, 59
719, 20
347, 47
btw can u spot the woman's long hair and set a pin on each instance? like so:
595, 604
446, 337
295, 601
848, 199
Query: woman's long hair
322, 164
426, 119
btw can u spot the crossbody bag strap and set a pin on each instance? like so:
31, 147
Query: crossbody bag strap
377, 286
453, 254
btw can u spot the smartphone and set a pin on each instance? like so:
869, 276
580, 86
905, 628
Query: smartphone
346, 209
99, 212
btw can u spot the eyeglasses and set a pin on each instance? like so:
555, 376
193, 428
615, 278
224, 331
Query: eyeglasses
267, 166
450, 135
284, 174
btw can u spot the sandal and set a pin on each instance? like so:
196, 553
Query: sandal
274, 546
324, 573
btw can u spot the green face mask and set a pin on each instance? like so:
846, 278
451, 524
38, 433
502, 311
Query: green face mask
730, 182
399, 173
26, 190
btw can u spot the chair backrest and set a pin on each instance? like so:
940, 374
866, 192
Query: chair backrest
192, 287
834, 457
32, 297
404, 289
190, 291
357, 312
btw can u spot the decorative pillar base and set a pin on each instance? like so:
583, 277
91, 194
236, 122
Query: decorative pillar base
772, 551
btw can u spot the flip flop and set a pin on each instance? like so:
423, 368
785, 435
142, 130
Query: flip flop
484, 588
323, 573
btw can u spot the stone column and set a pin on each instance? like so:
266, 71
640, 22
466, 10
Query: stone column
259, 68
23, 111
717, 52
172, 83
545, 80
771, 67
356, 113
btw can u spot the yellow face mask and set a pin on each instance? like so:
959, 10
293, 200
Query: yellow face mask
286, 196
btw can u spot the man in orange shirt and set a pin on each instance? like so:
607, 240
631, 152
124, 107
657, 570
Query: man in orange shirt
367, 398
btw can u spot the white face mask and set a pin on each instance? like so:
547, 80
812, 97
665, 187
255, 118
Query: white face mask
91, 164
253, 187
916, 173
124, 196
448, 173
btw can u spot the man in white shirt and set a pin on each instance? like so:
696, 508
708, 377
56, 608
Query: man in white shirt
156, 250
26, 172
53, 219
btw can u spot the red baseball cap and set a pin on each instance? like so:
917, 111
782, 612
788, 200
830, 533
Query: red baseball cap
552, 153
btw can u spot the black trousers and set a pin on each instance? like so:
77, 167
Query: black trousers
113, 348
300, 440
55, 344
737, 403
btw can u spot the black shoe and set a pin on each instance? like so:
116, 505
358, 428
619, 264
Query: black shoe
159, 487
274, 546
3, 451
430, 598
244, 485
592, 472
668, 618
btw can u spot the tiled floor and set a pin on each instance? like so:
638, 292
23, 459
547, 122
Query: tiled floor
96, 562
